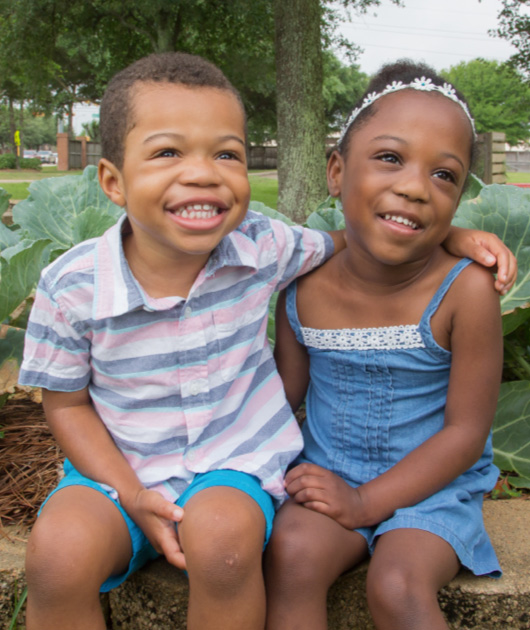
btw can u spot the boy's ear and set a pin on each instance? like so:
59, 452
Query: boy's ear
111, 182
335, 171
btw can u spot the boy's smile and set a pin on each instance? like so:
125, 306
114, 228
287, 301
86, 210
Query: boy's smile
184, 180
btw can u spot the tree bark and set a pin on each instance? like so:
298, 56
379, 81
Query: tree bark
300, 107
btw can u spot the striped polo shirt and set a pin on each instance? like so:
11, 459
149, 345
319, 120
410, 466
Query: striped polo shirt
183, 385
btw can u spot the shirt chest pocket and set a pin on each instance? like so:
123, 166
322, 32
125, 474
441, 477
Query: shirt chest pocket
240, 335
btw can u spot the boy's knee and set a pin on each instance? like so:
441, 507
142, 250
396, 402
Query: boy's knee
54, 557
222, 540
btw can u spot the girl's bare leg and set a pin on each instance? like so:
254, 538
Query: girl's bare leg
222, 535
78, 541
408, 568
306, 554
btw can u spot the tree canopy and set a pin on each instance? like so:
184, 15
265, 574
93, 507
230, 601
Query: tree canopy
498, 97
514, 26
57, 52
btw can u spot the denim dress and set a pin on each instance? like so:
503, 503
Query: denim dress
375, 394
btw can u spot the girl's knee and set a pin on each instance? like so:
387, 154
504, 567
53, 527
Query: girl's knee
397, 590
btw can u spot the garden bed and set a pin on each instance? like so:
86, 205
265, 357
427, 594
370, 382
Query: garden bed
30, 460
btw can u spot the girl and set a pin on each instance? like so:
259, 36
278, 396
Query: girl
399, 346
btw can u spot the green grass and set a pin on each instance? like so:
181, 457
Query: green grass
518, 178
16, 190
264, 189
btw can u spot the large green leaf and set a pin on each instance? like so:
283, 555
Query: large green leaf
504, 210
4, 201
258, 206
20, 268
511, 429
9, 236
56, 207
11, 349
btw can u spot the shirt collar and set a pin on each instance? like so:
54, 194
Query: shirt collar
116, 290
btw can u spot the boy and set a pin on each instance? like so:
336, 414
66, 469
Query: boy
158, 382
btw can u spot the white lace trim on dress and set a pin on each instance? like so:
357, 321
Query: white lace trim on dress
385, 338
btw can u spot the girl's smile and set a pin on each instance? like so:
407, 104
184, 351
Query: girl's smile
402, 177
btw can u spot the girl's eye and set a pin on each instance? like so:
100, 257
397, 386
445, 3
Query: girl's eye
446, 176
390, 158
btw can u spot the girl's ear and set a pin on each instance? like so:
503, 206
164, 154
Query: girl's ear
111, 182
335, 172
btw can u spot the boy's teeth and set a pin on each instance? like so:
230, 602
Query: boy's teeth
198, 211
403, 220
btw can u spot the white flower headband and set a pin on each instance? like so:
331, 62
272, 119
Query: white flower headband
423, 84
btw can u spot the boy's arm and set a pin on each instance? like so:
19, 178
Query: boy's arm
291, 357
476, 346
85, 441
486, 249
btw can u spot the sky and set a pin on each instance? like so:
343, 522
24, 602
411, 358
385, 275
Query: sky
441, 33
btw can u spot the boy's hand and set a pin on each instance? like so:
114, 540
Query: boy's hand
486, 249
156, 517
322, 491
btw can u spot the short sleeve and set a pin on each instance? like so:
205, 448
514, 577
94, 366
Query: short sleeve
56, 355
299, 250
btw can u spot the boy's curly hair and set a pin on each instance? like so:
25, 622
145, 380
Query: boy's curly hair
116, 118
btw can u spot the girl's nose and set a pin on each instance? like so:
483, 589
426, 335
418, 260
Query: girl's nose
412, 184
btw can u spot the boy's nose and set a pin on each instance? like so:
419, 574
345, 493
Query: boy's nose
201, 171
412, 184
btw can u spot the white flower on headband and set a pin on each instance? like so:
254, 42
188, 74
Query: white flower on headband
395, 85
422, 84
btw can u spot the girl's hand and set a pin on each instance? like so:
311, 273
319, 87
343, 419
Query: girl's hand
486, 249
156, 517
322, 491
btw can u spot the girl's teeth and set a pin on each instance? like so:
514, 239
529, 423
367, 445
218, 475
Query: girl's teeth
403, 220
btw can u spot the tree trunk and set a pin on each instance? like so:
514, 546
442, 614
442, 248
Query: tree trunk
300, 107
12, 129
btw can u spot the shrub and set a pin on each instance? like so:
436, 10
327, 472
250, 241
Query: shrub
8, 161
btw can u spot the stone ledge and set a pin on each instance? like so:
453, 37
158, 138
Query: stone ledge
155, 598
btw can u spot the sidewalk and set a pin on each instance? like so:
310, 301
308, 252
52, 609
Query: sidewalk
155, 598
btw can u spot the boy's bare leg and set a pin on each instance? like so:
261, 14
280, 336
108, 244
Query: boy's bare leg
408, 568
306, 554
78, 541
222, 535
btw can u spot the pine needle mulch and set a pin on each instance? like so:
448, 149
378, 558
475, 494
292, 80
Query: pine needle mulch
30, 461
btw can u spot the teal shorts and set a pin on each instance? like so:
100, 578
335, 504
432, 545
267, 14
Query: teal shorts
142, 550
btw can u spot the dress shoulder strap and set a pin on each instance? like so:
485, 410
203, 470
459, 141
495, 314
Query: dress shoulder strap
442, 290
292, 312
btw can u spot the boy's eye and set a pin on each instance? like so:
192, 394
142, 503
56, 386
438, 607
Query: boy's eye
228, 155
167, 153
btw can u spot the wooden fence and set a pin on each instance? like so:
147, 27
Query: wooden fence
490, 164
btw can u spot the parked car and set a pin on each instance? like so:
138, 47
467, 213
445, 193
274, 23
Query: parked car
46, 157
30, 153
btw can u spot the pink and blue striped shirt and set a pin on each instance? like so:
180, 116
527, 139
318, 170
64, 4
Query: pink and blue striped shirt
183, 385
